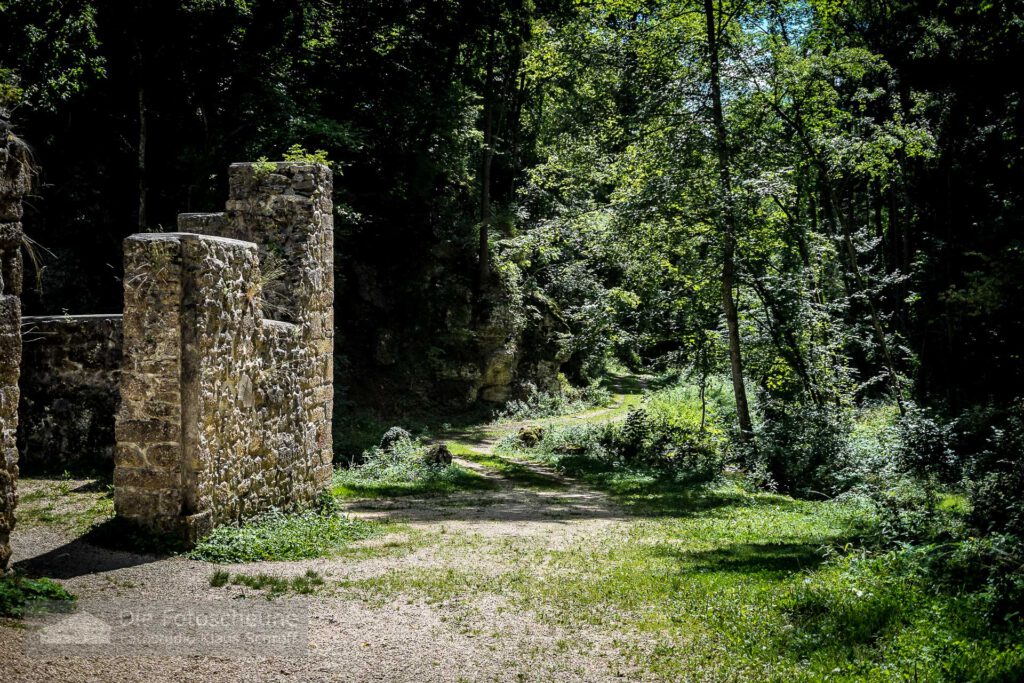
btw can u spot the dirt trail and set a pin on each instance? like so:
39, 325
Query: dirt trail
389, 635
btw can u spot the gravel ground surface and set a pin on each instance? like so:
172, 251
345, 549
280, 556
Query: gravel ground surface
354, 634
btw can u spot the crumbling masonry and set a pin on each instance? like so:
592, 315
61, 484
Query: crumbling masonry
224, 413
14, 182
213, 392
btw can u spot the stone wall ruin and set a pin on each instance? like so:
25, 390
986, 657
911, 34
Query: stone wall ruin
211, 396
224, 413
70, 372
14, 183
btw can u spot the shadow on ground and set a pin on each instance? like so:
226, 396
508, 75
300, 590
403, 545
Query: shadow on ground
509, 506
88, 554
748, 558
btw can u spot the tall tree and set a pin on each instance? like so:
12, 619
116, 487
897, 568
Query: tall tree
714, 22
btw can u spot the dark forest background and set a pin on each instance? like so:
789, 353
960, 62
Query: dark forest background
821, 199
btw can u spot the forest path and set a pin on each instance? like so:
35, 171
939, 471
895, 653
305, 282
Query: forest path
435, 598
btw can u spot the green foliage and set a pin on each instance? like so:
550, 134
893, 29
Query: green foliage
800, 447
10, 92
263, 167
672, 435
18, 593
541, 404
400, 467
279, 536
997, 488
925, 610
298, 154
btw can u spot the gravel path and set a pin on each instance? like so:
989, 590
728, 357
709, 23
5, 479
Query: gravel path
353, 635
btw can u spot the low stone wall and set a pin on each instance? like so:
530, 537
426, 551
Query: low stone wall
224, 414
14, 183
69, 392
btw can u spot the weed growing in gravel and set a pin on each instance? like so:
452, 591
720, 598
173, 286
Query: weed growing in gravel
274, 586
219, 579
17, 593
280, 536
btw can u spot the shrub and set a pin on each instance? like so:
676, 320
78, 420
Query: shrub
925, 447
800, 447
997, 489
541, 404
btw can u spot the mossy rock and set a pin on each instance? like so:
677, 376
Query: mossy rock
437, 455
531, 436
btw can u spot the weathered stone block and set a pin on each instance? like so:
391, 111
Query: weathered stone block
146, 431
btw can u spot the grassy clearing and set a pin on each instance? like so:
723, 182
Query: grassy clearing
279, 536
713, 580
721, 583
515, 472
74, 505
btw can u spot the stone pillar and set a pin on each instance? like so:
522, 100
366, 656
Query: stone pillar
148, 428
14, 182
287, 210
187, 436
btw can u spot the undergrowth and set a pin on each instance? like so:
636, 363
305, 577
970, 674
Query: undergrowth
883, 583
277, 536
541, 404
402, 466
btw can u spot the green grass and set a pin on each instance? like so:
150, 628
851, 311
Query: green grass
18, 593
272, 586
728, 584
357, 483
516, 472
279, 536
72, 505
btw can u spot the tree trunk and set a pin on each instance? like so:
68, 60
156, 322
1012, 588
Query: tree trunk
728, 226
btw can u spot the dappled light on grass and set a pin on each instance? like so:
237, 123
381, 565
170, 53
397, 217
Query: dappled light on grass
455, 478
403, 468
